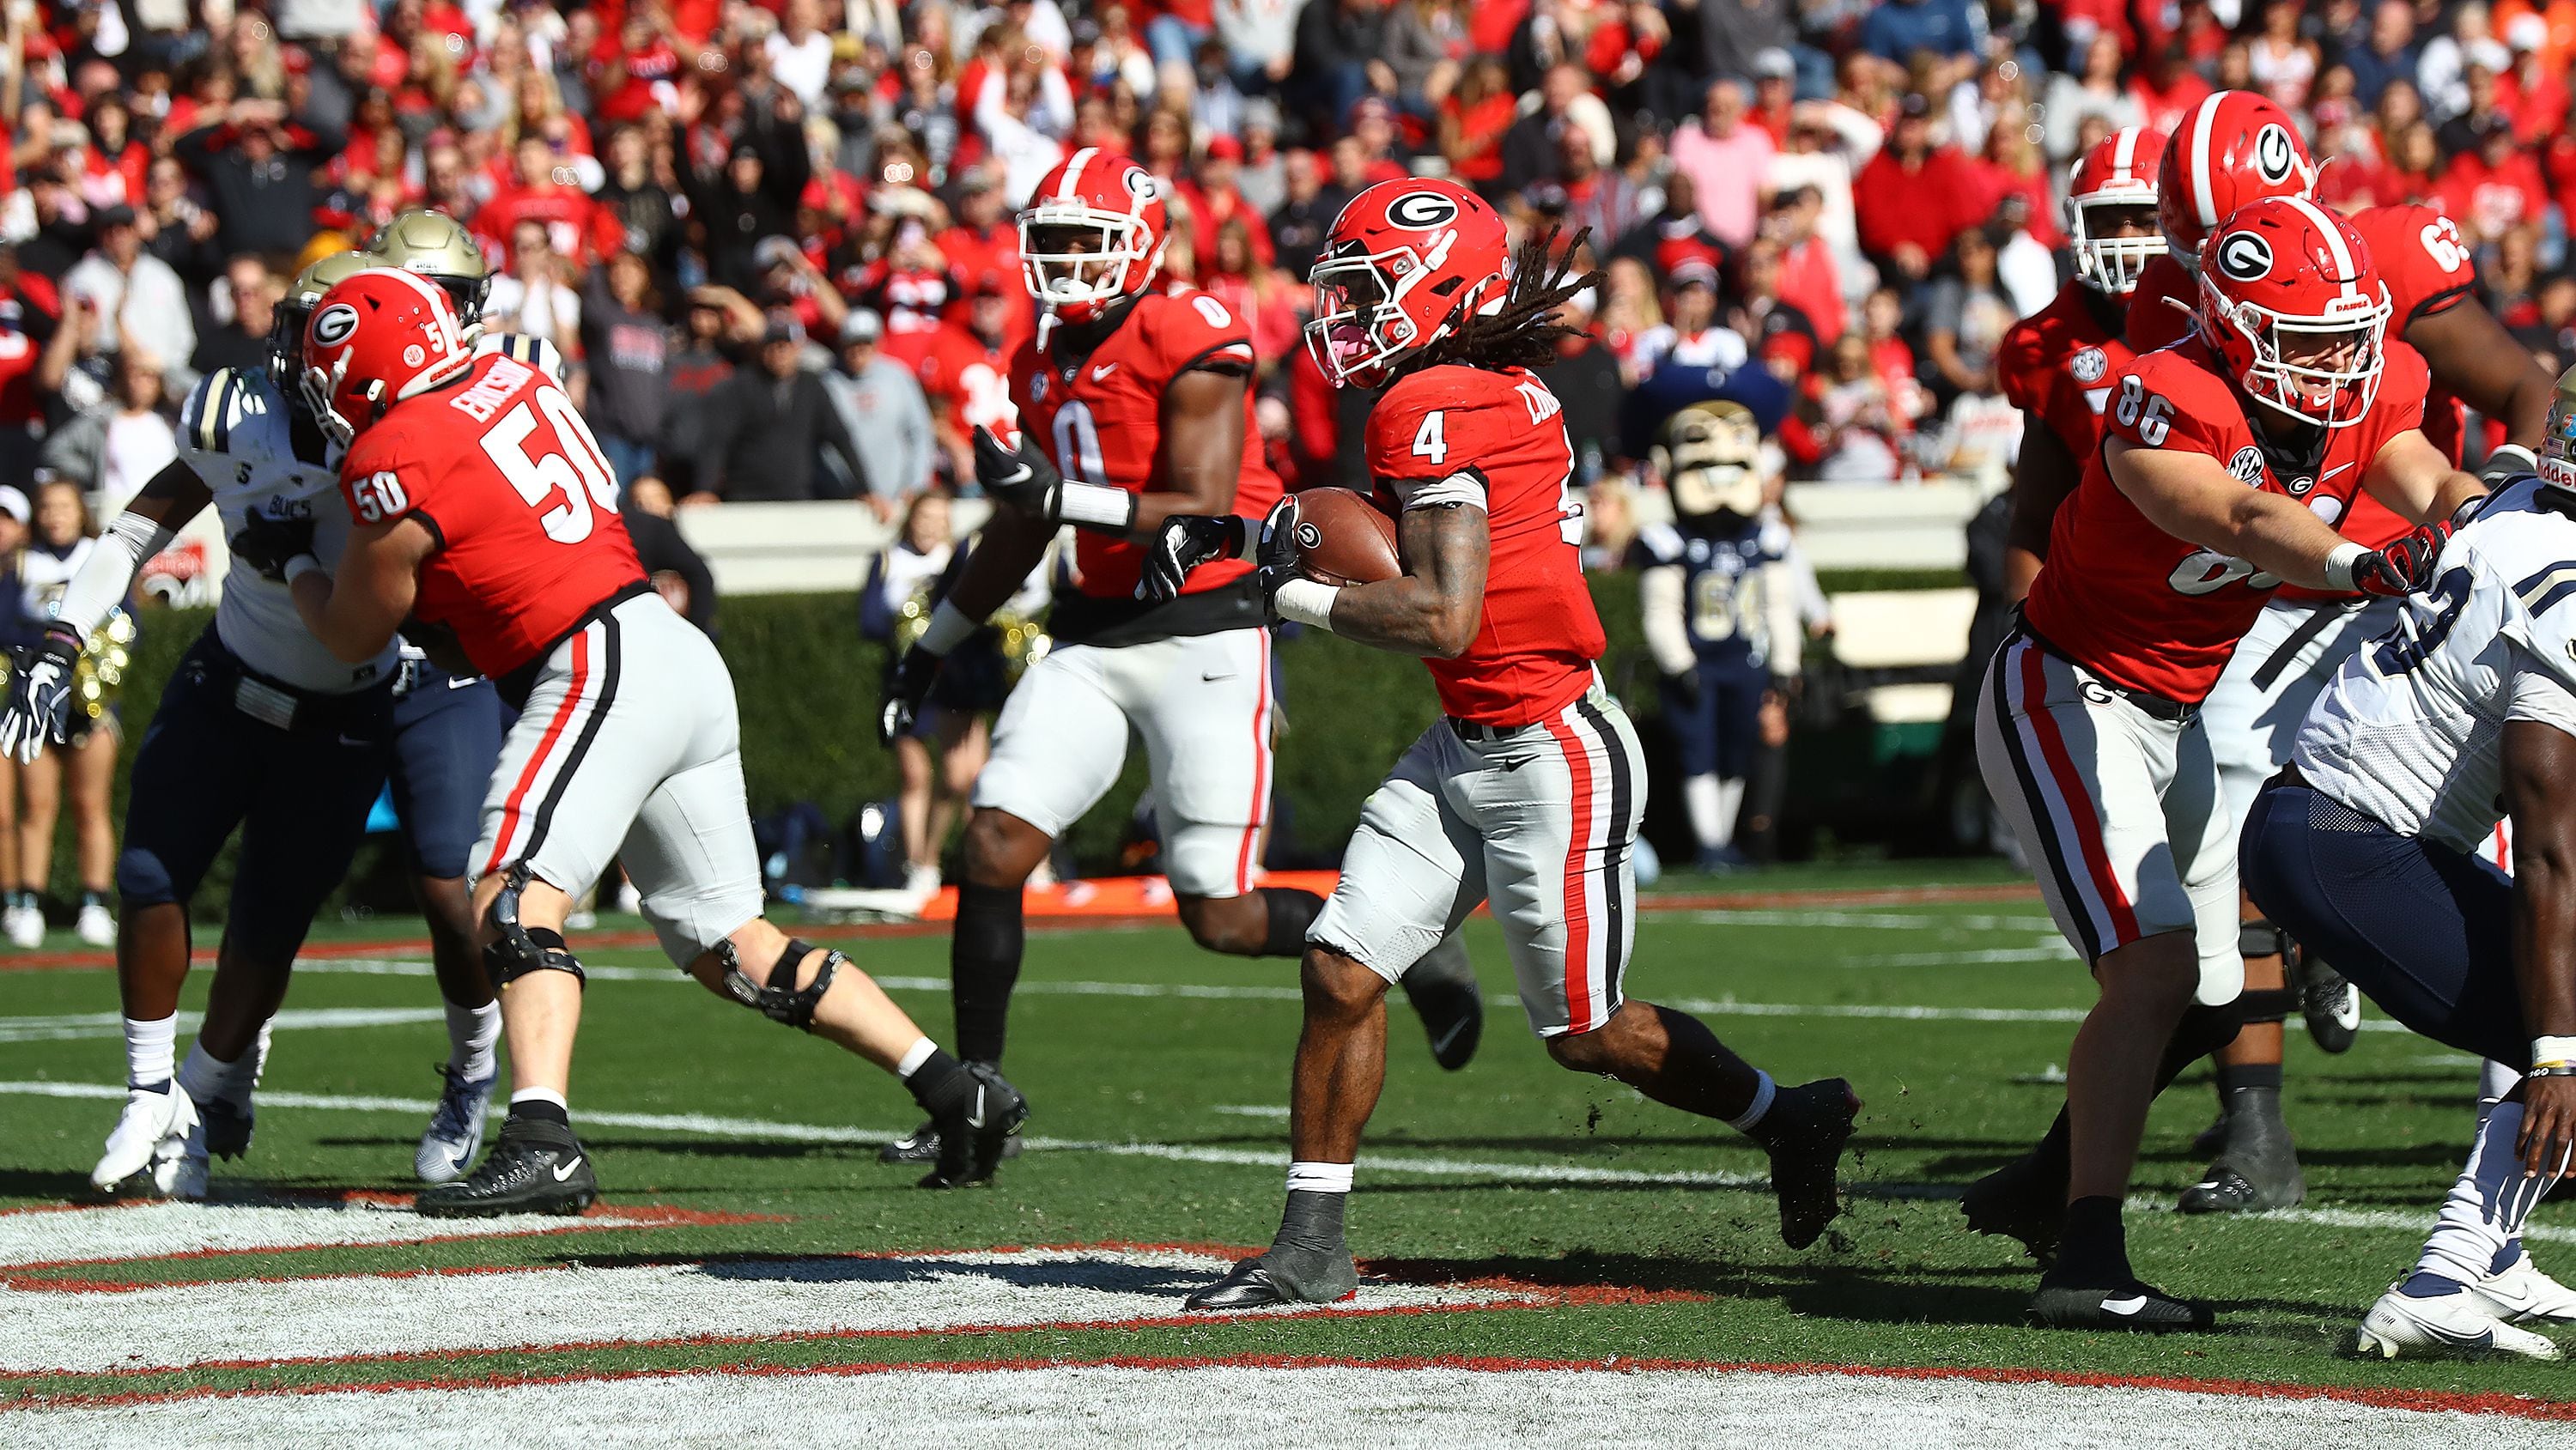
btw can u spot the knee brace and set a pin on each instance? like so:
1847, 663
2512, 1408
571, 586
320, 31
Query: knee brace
2261, 938
780, 1001
522, 949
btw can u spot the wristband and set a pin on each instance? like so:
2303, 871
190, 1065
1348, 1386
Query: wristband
948, 628
2339, 565
1306, 602
2553, 1052
301, 565
1095, 506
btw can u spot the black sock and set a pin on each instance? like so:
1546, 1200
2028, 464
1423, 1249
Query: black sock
2094, 1249
983, 966
2236, 1077
1313, 1220
2202, 1031
940, 1083
93, 898
1291, 912
538, 1110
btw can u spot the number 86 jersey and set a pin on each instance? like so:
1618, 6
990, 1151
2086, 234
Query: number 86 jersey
2144, 609
504, 473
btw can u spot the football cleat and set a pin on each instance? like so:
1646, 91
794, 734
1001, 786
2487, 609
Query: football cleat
2330, 1005
150, 1121
534, 1167
1281, 1275
2131, 1306
2458, 1324
1442, 988
1805, 1131
974, 1135
2257, 1169
2019, 1201
95, 927
179, 1164
2520, 1291
921, 1145
455, 1131
228, 1127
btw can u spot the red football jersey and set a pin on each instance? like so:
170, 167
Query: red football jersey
2144, 609
972, 379
1502, 432
2055, 365
1100, 417
2154, 319
505, 473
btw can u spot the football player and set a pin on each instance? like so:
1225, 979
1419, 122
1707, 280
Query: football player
1528, 793
481, 503
1719, 599
2368, 847
2225, 457
1134, 405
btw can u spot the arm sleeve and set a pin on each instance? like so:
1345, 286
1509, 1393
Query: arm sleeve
107, 575
1780, 601
1659, 601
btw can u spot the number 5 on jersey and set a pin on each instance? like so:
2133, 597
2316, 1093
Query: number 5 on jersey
379, 498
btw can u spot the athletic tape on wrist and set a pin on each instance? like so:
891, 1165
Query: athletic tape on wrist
948, 628
2339, 565
1307, 602
1098, 506
2553, 1051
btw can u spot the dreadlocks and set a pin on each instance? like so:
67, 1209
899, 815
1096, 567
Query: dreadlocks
1523, 332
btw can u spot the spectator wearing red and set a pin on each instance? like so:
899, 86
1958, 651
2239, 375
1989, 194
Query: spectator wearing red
1725, 156
983, 239
29, 311
2530, 92
909, 286
2494, 188
1805, 274
547, 193
1215, 201
1775, 94
965, 371
1781, 332
2166, 88
1913, 198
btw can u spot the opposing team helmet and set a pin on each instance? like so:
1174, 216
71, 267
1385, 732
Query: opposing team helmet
2234, 149
2290, 298
1710, 456
438, 247
1092, 234
2558, 449
1403, 265
286, 328
374, 340
2117, 175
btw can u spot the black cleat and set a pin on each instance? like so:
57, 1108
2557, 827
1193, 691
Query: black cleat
1442, 988
2209, 1140
227, 1125
534, 1167
2258, 1166
974, 1135
1805, 1131
1280, 1275
2019, 1201
2130, 1306
921, 1145
2330, 1005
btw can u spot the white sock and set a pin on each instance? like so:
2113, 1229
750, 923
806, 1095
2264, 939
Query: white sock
2488, 1204
1319, 1177
1763, 1092
913, 1057
472, 1032
539, 1095
1709, 824
1730, 801
151, 1051
208, 1078
2494, 1081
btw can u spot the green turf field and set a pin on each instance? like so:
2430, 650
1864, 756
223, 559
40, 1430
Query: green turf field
1158, 1076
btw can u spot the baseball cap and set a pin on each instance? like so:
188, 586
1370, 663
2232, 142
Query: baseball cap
782, 328
775, 251
1224, 148
990, 285
13, 502
1694, 273
862, 325
2526, 32
1773, 63
119, 215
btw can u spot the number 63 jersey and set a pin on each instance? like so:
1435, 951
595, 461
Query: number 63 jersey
2411, 730
503, 472
2150, 611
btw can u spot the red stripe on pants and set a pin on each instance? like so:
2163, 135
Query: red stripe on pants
1578, 907
2071, 788
537, 758
1260, 773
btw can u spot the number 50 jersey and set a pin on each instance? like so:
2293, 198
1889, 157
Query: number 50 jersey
2149, 611
502, 470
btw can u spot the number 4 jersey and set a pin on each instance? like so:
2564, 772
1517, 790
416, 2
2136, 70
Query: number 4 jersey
2411, 730
2146, 610
502, 470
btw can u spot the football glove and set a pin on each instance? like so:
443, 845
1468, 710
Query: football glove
1020, 477
2403, 567
1183, 543
40, 696
1276, 558
265, 543
906, 693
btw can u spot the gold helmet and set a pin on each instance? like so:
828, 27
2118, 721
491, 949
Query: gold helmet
438, 247
286, 332
2558, 448
1710, 455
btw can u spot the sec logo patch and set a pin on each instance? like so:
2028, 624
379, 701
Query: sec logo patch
2247, 466
2089, 365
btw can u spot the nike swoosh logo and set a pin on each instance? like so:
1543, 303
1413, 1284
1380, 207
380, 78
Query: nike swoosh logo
1511, 765
1440, 1044
1212, 679
1022, 476
1102, 371
563, 1171
2331, 472
975, 1119
2125, 1307
2483, 1339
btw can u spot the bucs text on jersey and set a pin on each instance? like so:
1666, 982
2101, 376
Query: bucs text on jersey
1099, 417
2055, 365
2147, 610
502, 470
1497, 438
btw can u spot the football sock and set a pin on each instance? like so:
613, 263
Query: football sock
1313, 1218
151, 1052
207, 1077
1764, 1093
1708, 823
2495, 1080
472, 1033
2487, 1205
983, 966
939, 1082
93, 898
543, 1105
1291, 912
1730, 804
2094, 1248
2235, 1077
913, 1058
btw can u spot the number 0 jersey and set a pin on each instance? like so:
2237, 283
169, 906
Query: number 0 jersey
1100, 417
2411, 731
2146, 610
504, 473
1497, 439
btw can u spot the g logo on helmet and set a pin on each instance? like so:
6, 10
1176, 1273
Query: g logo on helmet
1140, 183
334, 324
2245, 257
2274, 155
1421, 211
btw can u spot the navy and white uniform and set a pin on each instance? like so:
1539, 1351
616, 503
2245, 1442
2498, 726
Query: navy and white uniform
43, 574
2366, 850
1733, 628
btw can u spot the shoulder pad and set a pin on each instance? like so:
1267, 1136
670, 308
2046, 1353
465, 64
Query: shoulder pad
535, 351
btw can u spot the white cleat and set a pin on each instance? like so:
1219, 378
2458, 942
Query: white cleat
2521, 1291
455, 1137
95, 927
2453, 1325
24, 926
150, 1121
179, 1164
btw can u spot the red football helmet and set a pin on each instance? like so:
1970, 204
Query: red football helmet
1403, 265
375, 339
2234, 148
1092, 233
2290, 298
2117, 173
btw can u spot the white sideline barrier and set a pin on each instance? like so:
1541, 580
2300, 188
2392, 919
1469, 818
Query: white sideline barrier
1879, 629
1901, 526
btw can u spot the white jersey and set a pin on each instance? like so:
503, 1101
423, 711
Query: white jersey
528, 348
43, 575
2411, 731
234, 434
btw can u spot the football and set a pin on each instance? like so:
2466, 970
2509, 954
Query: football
1342, 538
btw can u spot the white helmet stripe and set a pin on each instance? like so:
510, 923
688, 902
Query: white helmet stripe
1073, 173
2202, 120
2126, 156
2334, 235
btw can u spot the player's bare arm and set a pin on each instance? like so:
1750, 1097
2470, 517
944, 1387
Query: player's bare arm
1195, 473
2413, 478
2045, 474
2193, 497
1010, 545
2540, 797
1434, 607
2474, 357
357, 613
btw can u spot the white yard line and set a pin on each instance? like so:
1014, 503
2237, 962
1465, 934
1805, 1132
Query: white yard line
179, 1230
79, 1026
1868, 920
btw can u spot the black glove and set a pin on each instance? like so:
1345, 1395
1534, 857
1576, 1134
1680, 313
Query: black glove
906, 692
1183, 543
266, 542
1276, 559
1022, 478
2404, 566
40, 696
1684, 685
